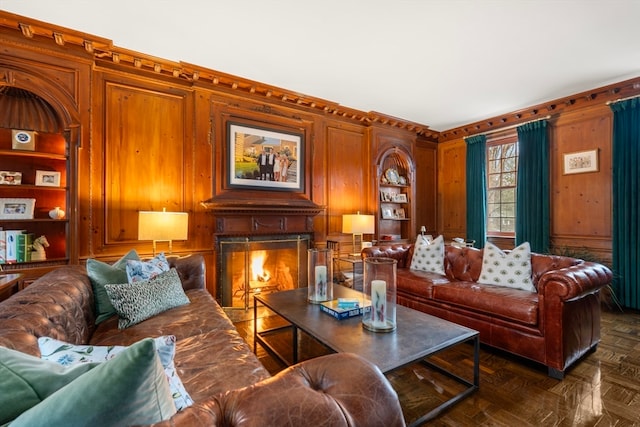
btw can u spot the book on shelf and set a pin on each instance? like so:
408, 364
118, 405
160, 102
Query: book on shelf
333, 309
24, 244
3, 247
11, 242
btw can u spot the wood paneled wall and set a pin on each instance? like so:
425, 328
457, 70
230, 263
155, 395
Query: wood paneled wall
152, 135
580, 203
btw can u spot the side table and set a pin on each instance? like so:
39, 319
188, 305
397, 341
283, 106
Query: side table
356, 268
8, 283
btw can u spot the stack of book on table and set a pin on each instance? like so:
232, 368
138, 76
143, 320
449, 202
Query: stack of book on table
343, 308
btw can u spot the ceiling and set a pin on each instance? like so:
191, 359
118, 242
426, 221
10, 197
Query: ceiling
440, 63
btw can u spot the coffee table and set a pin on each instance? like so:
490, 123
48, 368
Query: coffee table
417, 337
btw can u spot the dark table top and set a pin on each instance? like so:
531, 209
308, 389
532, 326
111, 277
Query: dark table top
418, 335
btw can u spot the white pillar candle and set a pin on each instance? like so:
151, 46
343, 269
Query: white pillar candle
378, 303
321, 282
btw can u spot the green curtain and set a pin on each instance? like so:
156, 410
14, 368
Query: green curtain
532, 187
476, 189
626, 210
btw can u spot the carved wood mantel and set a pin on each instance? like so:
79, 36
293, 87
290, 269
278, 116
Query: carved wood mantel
262, 217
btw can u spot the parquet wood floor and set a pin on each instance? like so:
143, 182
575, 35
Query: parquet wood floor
603, 389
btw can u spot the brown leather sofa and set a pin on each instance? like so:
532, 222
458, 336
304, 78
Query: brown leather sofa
229, 385
555, 326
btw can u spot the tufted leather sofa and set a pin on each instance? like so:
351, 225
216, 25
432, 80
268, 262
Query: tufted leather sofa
229, 385
555, 326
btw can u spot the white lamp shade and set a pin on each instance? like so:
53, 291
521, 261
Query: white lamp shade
153, 225
358, 224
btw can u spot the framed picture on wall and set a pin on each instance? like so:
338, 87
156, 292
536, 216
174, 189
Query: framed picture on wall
580, 162
264, 158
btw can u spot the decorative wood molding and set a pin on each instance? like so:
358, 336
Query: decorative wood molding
562, 105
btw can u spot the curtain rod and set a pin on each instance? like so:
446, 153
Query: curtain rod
622, 99
507, 127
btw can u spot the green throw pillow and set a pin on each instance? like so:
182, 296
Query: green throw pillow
128, 390
144, 299
100, 274
26, 380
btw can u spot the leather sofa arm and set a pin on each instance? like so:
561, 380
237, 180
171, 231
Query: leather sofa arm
573, 281
336, 390
191, 269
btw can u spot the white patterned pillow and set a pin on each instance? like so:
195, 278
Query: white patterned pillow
423, 239
67, 354
429, 257
145, 270
512, 270
142, 300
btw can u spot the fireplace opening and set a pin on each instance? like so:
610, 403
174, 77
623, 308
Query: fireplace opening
260, 264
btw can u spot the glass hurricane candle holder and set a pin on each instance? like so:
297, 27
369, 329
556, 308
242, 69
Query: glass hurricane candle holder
320, 275
379, 294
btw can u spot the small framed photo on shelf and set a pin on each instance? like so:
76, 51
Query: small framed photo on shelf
399, 198
399, 213
48, 178
10, 178
386, 196
387, 213
17, 208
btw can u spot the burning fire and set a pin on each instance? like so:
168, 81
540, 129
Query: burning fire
258, 273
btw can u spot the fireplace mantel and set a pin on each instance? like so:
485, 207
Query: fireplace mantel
248, 217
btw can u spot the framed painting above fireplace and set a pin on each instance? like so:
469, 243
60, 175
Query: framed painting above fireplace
264, 158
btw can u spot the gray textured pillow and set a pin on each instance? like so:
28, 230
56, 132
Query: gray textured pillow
142, 300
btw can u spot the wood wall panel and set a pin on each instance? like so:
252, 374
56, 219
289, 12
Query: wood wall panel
347, 177
144, 157
581, 214
426, 156
452, 203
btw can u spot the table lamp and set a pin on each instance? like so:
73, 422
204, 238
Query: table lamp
163, 227
357, 225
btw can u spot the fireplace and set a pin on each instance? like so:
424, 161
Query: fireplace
259, 264
261, 243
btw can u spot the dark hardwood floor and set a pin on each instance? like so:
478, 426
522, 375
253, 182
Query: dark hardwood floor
603, 389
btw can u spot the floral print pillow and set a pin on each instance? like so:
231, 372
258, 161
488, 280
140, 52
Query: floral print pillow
138, 271
69, 355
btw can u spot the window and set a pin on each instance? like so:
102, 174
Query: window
502, 171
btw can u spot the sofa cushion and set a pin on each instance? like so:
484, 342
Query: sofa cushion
419, 283
463, 264
429, 256
68, 354
138, 271
211, 356
494, 301
512, 269
25, 381
127, 390
100, 274
142, 300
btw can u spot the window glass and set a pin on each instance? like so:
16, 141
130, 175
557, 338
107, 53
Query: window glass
502, 172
